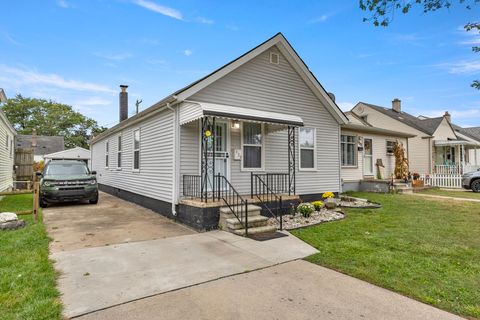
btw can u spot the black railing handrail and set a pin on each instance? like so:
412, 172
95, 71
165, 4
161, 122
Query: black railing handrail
234, 201
192, 186
263, 192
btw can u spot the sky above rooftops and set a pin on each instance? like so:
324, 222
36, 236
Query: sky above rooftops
78, 52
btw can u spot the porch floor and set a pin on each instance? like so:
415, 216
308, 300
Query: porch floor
196, 202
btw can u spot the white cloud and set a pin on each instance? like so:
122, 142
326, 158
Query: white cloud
232, 27
346, 106
470, 38
114, 57
462, 67
63, 4
322, 18
166, 11
156, 61
21, 77
93, 101
205, 20
9, 38
187, 52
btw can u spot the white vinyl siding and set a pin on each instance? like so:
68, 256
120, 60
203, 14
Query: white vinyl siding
260, 85
155, 178
306, 143
136, 149
7, 153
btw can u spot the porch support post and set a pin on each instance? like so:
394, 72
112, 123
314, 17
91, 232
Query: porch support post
206, 165
291, 160
214, 148
463, 159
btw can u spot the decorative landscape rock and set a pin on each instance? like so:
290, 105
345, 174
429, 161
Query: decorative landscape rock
331, 203
298, 221
9, 221
352, 202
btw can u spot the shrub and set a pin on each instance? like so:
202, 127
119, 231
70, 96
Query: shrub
318, 205
328, 194
306, 209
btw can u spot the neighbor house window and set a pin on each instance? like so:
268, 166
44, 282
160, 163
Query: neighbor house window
349, 150
136, 149
107, 153
11, 148
119, 152
252, 145
390, 147
306, 143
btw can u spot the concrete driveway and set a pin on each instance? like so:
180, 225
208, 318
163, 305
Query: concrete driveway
111, 221
293, 290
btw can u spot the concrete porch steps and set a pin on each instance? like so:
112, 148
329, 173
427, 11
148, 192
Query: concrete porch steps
257, 224
402, 187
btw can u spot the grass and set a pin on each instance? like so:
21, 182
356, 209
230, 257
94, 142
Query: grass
449, 193
427, 249
27, 277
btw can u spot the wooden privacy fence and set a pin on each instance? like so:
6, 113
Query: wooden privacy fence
23, 164
443, 180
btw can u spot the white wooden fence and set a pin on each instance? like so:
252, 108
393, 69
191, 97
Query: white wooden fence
442, 180
455, 169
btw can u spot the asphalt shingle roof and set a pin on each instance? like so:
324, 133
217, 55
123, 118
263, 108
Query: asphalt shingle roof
45, 144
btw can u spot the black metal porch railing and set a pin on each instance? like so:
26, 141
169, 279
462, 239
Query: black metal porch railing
265, 193
276, 182
234, 201
192, 186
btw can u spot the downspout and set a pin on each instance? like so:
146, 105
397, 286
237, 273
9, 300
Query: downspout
175, 157
340, 158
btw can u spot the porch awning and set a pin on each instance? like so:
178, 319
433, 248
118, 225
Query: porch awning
192, 110
451, 143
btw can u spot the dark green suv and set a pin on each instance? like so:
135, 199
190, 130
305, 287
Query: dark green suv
67, 180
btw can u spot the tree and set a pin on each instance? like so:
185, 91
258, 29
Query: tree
50, 119
383, 11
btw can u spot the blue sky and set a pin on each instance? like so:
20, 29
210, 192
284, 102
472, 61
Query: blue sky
78, 52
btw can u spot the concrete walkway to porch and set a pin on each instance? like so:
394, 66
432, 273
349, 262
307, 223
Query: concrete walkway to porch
97, 278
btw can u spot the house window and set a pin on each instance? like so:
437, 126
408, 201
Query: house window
349, 150
11, 148
136, 149
6, 141
107, 153
119, 152
252, 145
390, 147
306, 143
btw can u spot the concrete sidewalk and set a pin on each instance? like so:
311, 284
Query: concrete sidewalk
293, 290
96, 278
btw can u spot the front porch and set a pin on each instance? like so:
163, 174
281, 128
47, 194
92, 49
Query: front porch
455, 157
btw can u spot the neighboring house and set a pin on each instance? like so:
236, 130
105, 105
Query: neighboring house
472, 155
367, 152
7, 136
42, 145
77, 153
435, 147
264, 112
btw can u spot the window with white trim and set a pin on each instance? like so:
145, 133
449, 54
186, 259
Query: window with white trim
390, 147
107, 152
349, 150
6, 141
306, 143
11, 148
252, 145
119, 152
136, 149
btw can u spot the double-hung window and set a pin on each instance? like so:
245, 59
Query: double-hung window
306, 143
252, 145
119, 152
107, 153
136, 149
390, 147
349, 150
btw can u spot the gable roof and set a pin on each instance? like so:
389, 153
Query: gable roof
472, 132
284, 47
425, 125
77, 153
359, 124
45, 144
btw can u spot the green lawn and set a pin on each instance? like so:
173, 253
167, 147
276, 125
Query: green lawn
424, 248
449, 193
27, 277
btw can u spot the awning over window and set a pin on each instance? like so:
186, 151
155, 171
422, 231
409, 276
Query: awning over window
451, 143
190, 111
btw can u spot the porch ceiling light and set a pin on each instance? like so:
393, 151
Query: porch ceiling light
236, 124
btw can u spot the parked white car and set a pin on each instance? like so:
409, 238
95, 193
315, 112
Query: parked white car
471, 181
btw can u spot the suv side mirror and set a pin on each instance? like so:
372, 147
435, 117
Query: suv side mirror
94, 172
38, 173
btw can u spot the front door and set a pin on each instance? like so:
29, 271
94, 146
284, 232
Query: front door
221, 152
367, 157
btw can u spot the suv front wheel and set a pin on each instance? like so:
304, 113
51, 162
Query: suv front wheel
42, 203
475, 185
93, 201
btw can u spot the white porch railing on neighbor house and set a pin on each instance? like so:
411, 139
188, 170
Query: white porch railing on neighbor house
456, 169
442, 180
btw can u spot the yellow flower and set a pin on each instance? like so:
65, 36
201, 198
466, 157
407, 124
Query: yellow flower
328, 194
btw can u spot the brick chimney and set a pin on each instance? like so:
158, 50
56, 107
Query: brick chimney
397, 105
123, 108
447, 116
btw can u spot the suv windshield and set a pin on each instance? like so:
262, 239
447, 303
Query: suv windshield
64, 169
